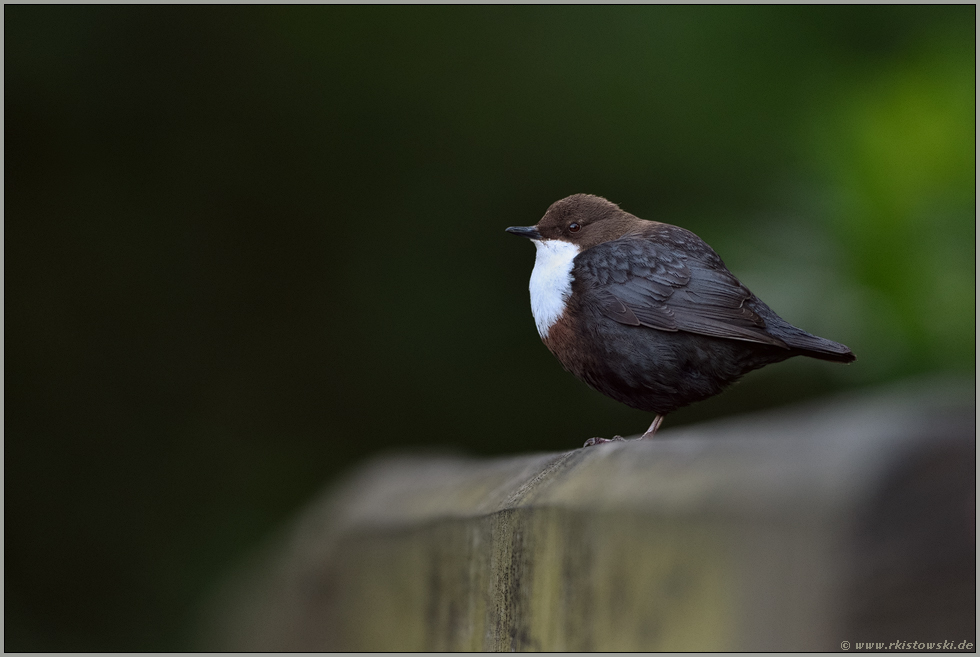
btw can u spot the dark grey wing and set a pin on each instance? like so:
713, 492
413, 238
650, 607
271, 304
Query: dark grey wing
671, 281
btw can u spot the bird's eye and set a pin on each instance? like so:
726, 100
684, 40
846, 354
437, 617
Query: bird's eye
574, 227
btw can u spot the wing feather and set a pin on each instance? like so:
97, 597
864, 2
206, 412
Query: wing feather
671, 281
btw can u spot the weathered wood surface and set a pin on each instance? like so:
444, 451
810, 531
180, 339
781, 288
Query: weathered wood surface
851, 520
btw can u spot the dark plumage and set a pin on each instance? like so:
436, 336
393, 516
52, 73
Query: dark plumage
653, 318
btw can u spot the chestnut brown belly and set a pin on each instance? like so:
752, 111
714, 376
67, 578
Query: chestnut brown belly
652, 370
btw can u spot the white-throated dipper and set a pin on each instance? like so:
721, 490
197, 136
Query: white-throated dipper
646, 312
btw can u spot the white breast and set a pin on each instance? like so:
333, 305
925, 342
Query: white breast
551, 281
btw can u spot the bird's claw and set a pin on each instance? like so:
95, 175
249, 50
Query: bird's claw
598, 441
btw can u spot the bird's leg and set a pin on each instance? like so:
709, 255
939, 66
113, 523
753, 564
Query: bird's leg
615, 439
653, 427
598, 441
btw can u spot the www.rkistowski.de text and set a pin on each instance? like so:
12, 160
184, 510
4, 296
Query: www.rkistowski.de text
907, 645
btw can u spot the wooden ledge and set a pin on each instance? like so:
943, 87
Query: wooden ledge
847, 520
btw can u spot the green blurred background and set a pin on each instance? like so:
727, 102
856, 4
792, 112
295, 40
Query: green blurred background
249, 247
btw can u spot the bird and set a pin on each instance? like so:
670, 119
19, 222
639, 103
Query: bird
647, 313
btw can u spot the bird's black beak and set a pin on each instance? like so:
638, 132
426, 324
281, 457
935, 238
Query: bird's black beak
529, 232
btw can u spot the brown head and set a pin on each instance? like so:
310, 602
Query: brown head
582, 219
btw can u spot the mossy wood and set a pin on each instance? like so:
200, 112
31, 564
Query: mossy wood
793, 530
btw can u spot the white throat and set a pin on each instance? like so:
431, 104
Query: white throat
551, 281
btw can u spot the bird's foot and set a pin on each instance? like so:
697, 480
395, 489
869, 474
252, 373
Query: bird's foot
598, 441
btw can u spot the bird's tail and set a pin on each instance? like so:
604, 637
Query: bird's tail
805, 344
822, 348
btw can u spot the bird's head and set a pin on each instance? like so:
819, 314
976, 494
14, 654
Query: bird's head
581, 219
